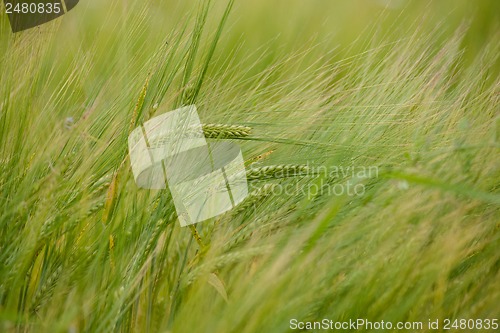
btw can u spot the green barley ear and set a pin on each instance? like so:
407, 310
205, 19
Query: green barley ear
189, 94
101, 185
222, 261
141, 257
278, 172
222, 131
264, 225
210, 131
45, 290
254, 198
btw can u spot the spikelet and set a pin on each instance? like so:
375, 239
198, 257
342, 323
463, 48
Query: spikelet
264, 225
48, 227
196, 236
224, 260
45, 290
254, 198
101, 185
140, 103
222, 131
278, 172
210, 131
141, 258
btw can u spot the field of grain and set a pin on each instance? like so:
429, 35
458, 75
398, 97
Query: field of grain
370, 131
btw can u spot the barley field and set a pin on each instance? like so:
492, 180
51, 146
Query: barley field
370, 131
